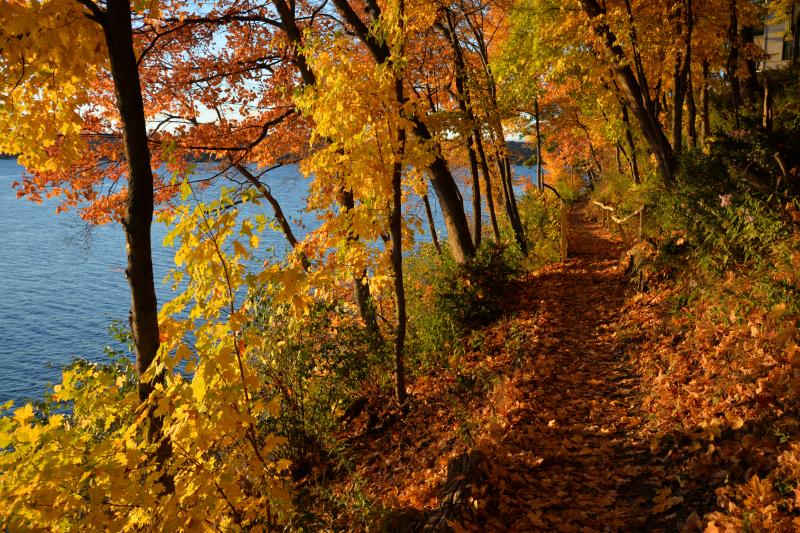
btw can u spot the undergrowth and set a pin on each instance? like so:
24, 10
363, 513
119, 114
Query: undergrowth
721, 255
447, 301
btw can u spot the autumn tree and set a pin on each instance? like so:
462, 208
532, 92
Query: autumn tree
39, 54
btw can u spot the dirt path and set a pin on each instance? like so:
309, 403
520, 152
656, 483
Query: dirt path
567, 448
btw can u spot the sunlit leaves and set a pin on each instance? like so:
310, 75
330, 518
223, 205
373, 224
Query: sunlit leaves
92, 467
49, 51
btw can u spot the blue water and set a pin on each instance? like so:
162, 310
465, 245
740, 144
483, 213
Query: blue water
62, 282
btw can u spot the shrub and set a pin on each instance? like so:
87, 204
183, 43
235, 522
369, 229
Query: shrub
472, 293
719, 216
540, 216
315, 367
716, 226
433, 334
445, 299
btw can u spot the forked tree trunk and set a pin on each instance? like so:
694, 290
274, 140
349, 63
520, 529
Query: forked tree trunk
632, 90
465, 106
444, 185
496, 131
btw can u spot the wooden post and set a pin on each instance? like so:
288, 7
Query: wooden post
539, 180
564, 222
766, 119
641, 219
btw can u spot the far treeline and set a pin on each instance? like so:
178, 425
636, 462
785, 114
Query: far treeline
227, 412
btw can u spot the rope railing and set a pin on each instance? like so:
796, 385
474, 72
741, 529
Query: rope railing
619, 222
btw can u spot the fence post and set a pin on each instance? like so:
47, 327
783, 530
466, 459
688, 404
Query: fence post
564, 222
621, 230
641, 218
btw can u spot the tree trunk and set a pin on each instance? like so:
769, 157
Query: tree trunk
795, 34
117, 28
361, 292
733, 61
631, 144
476, 191
464, 105
678, 94
286, 12
683, 62
444, 185
396, 230
691, 119
705, 130
487, 182
596, 160
496, 162
511, 202
280, 217
539, 178
496, 130
507, 188
139, 206
751, 82
766, 119
431, 223
631, 90
447, 193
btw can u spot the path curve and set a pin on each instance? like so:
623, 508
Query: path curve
569, 452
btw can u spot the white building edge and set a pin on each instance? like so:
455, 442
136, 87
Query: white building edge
778, 41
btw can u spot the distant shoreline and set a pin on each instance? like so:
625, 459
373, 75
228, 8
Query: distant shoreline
520, 152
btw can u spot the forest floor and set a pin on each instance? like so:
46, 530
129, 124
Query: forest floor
545, 427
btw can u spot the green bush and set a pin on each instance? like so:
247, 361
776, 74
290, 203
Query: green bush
433, 334
713, 222
472, 293
315, 368
540, 214
446, 300
719, 216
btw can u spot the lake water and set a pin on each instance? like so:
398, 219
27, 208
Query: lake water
62, 283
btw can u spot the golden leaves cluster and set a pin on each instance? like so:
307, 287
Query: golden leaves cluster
49, 50
92, 465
